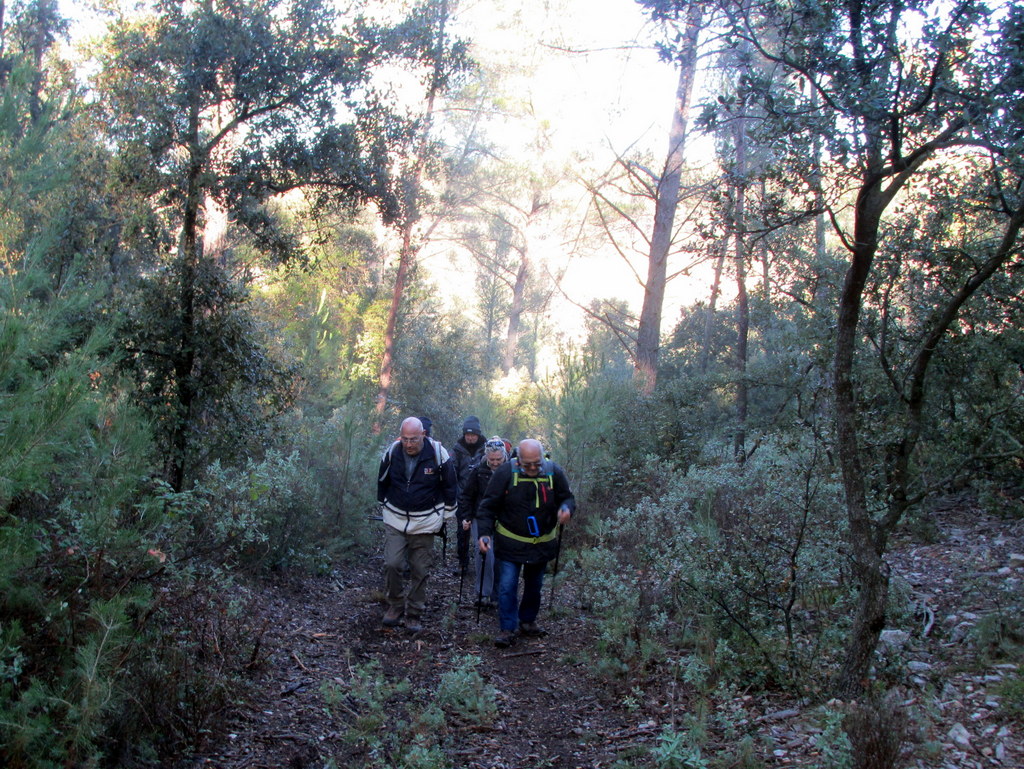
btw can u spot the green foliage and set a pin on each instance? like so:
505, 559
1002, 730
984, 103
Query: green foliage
197, 645
390, 727
365, 698
1011, 697
507, 406
337, 465
436, 369
213, 401
673, 750
464, 694
735, 561
999, 635
878, 728
834, 744
579, 408
323, 312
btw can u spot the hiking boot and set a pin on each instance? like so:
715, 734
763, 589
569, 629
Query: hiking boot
531, 629
392, 616
505, 639
413, 624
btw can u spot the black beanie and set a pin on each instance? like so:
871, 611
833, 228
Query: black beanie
472, 425
425, 421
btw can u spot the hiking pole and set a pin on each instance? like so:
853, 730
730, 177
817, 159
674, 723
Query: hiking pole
462, 579
558, 553
483, 570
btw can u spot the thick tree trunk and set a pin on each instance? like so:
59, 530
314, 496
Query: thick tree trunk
869, 569
406, 256
649, 330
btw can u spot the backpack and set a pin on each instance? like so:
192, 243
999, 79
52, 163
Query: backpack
547, 468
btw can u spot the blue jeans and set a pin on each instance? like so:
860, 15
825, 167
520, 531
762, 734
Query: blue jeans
512, 611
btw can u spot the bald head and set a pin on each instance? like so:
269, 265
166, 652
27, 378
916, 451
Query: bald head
531, 452
412, 436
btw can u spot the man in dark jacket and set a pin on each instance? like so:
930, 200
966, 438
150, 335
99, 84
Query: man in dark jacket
470, 494
466, 455
417, 490
526, 501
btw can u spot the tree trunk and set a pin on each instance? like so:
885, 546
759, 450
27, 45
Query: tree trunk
819, 193
649, 330
742, 301
709, 316
185, 355
515, 314
869, 569
410, 217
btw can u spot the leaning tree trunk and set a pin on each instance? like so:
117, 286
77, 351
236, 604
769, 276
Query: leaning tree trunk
649, 330
410, 217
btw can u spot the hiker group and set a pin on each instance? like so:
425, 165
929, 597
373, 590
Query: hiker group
510, 506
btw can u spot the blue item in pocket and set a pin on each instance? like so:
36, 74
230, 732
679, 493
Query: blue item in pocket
532, 527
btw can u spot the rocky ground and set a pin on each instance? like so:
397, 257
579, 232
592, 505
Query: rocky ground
322, 698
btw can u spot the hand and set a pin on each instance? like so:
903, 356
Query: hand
467, 525
485, 544
563, 515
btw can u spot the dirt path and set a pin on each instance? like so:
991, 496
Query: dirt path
324, 696
326, 631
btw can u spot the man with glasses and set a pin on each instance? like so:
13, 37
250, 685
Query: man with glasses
525, 503
417, 490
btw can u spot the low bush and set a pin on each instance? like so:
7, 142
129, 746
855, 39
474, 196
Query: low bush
737, 563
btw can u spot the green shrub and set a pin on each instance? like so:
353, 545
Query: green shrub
1011, 697
999, 634
463, 693
834, 744
675, 750
737, 562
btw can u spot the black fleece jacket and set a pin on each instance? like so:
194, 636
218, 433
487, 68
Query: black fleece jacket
511, 499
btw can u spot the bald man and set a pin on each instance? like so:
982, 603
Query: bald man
526, 501
417, 489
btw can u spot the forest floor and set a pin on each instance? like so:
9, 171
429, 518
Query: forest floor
322, 697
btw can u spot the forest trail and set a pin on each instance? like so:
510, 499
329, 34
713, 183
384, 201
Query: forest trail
550, 714
552, 709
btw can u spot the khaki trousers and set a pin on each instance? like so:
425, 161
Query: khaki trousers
418, 550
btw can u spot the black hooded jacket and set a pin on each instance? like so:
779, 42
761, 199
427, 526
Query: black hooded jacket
520, 513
